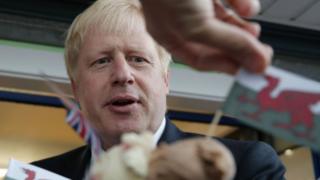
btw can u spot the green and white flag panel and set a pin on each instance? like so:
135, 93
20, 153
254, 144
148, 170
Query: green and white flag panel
279, 102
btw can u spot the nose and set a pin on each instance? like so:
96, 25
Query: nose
122, 72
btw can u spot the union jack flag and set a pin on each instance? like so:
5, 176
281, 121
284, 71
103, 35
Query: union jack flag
79, 124
75, 118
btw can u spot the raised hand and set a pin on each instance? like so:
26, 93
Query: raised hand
206, 35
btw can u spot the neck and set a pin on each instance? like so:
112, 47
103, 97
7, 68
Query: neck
107, 143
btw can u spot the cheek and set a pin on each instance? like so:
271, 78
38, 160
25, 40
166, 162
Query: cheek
89, 91
158, 87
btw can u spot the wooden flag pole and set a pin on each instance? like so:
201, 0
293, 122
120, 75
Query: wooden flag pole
214, 123
54, 87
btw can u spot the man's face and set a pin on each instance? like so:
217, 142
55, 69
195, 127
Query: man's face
119, 83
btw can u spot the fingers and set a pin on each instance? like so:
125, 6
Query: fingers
205, 58
228, 16
245, 8
215, 62
251, 27
241, 46
234, 38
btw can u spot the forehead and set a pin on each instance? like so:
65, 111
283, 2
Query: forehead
99, 39
122, 24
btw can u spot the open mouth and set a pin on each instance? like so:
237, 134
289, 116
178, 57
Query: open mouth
123, 102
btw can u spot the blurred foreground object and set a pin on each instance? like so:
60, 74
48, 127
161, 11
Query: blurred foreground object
208, 36
134, 159
127, 161
197, 158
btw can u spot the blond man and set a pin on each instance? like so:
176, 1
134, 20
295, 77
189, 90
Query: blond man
119, 76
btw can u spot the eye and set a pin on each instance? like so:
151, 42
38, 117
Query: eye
137, 59
101, 62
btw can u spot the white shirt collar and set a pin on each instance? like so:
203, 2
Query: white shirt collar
159, 132
156, 136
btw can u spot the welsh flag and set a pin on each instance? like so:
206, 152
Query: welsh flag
279, 102
18, 170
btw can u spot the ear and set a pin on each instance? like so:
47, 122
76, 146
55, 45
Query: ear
74, 89
167, 80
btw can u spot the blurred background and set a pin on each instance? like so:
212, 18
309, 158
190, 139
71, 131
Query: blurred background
32, 118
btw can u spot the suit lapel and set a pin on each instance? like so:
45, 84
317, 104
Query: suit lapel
171, 133
82, 164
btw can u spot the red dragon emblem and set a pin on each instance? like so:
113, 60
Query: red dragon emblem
31, 175
296, 103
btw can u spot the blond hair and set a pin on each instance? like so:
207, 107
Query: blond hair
113, 16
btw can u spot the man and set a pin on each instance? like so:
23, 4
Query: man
119, 76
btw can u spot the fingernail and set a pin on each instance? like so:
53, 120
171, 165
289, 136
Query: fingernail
259, 64
269, 53
255, 7
255, 29
267, 59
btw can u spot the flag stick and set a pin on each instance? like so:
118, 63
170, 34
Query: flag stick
214, 123
89, 135
54, 87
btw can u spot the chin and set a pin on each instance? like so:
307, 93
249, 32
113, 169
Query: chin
131, 126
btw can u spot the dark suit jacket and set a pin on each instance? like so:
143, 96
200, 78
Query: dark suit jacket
255, 160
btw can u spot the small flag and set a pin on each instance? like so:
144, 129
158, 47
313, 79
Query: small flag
18, 170
79, 124
281, 103
75, 119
